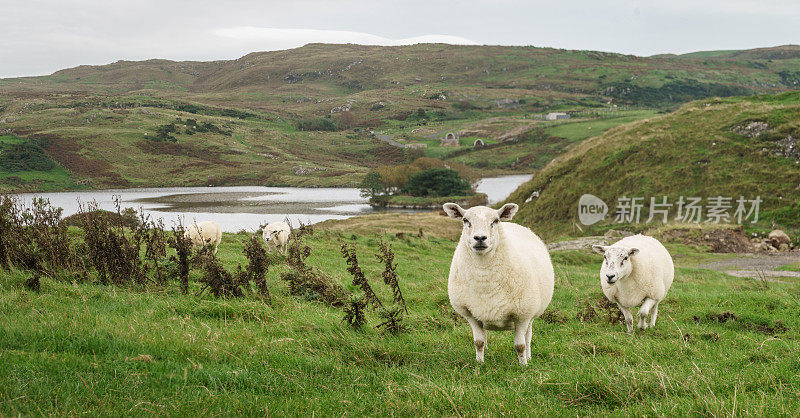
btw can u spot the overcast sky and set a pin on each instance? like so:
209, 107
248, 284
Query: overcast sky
41, 36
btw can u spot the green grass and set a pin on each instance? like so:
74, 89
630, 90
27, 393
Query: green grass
690, 152
435, 202
790, 267
56, 178
75, 349
534, 154
577, 131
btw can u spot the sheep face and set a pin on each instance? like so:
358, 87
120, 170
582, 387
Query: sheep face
617, 262
481, 231
270, 235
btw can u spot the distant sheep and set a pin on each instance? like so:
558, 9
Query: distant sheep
636, 271
204, 233
276, 235
501, 277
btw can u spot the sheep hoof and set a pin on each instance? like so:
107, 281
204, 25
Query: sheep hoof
523, 358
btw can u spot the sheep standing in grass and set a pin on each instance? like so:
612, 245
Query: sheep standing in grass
204, 233
501, 277
636, 271
276, 235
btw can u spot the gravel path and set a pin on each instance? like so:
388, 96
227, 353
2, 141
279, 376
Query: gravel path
388, 139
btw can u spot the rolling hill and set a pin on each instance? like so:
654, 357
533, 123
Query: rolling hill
731, 147
304, 116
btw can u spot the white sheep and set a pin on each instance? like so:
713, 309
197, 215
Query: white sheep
636, 271
276, 235
501, 277
204, 233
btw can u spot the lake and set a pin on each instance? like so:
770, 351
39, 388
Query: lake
246, 207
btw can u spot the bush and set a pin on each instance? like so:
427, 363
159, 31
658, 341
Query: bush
463, 105
164, 133
436, 182
318, 124
34, 238
24, 157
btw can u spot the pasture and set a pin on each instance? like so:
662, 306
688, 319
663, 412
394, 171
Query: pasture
723, 346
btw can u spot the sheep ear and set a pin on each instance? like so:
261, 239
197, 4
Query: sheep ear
454, 211
507, 211
633, 251
599, 249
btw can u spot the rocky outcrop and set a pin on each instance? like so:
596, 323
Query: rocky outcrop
752, 129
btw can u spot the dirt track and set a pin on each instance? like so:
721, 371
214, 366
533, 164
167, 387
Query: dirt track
756, 266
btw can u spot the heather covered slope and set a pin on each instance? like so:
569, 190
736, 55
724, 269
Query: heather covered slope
704, 149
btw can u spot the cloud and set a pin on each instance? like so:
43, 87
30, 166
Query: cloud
299, 37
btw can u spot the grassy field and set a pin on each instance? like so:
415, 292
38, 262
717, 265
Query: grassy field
80, 348
530, 155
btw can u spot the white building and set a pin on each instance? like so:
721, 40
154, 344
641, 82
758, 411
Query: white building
556, 115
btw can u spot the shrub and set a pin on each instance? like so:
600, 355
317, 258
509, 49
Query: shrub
34, 238
152, 234
389, 274
307, 282
437, 182
24, 157
114, 255
463, 105
218, 280
359, 280
183, 253
316, 124
164, 133
257, 266
391, 316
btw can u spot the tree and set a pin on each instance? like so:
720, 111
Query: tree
437, 182
373, 186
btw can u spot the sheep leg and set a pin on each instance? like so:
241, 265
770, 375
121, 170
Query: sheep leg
520, 335
644, 312
653, 315
628, 317
528, 337
478, 336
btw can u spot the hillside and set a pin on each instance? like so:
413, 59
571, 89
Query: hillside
303, 116
773, 53
717, 147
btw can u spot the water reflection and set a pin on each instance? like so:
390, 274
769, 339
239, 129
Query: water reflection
246, 207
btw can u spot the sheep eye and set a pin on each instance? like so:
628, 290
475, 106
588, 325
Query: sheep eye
495, 222
466, 222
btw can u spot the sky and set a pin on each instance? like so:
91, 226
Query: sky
42, 36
